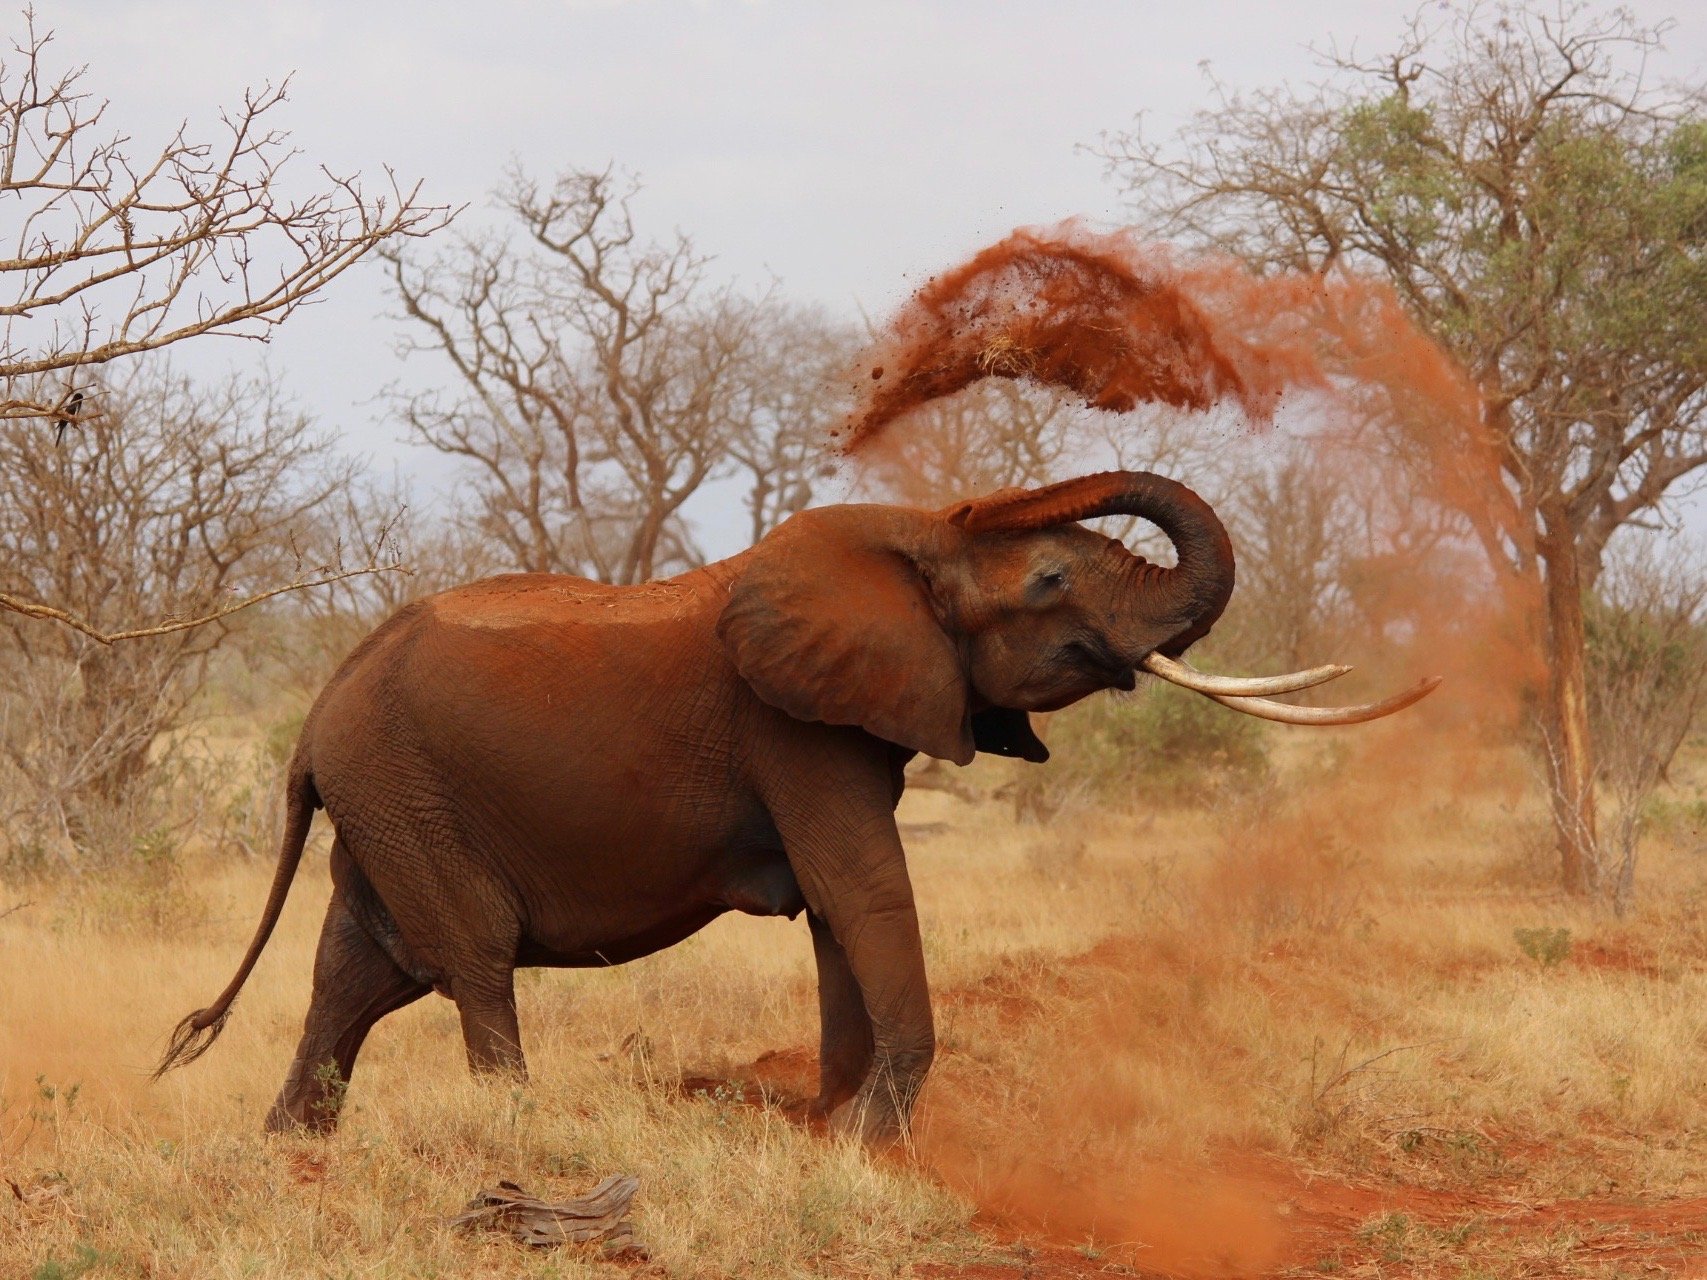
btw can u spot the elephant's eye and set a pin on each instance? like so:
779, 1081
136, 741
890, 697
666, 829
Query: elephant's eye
1054, 580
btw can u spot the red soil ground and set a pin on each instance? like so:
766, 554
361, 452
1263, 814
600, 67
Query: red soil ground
1249, 1214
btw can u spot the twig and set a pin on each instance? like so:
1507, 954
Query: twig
1349, 1072
31, 609
13, 910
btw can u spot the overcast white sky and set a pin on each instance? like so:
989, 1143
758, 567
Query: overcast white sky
846, 149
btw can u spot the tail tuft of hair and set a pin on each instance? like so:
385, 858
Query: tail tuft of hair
192, 1037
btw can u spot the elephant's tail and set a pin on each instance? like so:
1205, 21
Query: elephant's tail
195, 1035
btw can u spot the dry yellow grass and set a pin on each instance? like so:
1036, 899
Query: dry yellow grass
1151, 1030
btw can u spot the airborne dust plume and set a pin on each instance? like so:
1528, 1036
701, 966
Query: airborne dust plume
1119, 324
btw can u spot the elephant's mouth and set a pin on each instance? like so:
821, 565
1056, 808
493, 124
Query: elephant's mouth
1092, 658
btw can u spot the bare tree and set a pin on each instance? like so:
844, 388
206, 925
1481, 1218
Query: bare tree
376, 522
993, 435
603, 381
796, 391
1647, 683
1295, 532
1538, 207
115, 253
176, 499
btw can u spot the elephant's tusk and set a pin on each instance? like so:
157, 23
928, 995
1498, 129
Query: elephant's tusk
1288, 714
1189, 677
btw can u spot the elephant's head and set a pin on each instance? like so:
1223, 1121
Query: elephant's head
939, 630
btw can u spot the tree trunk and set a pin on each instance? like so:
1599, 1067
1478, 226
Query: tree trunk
106, 715
1570, 749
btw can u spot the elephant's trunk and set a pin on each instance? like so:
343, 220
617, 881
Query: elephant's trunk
1173, 608
1180, 603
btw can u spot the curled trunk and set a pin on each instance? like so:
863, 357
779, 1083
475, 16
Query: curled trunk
1181, 602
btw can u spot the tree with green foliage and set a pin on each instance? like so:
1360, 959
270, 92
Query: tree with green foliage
1541, 208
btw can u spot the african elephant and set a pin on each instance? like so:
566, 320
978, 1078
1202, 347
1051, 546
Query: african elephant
541, 770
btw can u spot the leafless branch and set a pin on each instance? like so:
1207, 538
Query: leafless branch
31, 609
602, 382
116, 253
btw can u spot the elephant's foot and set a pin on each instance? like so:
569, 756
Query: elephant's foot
839, 1079
310, 1100
880, 1114
875, 1125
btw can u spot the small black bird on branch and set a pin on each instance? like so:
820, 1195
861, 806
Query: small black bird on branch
68, 415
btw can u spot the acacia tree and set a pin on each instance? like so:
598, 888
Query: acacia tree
1542, 211
112, 253
603, 381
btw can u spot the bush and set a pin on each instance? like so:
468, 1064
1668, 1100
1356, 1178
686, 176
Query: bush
1547, 947
1162, 745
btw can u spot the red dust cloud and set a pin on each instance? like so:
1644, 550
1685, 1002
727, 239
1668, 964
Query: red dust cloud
1096, 314
1437, 587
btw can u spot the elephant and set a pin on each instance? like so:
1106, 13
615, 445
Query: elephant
538, 769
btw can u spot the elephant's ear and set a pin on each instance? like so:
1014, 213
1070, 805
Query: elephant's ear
826, 622
1002, 731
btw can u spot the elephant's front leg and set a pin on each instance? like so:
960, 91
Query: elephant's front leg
888, 961
844, 1039
847, 856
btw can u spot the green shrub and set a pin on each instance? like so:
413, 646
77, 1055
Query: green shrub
1162, 745
1547, 947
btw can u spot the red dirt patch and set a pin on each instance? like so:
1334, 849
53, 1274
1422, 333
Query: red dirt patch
1614, 955
307, 1167
786, 1079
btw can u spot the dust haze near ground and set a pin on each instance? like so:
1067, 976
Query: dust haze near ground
1161, 1050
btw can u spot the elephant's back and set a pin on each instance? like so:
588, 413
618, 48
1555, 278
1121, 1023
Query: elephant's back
523, 601
524, 680
569, 731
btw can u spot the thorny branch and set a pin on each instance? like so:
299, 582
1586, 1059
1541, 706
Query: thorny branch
114, 255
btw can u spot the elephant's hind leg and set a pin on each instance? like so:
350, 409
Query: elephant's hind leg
490, 1033
355, 985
